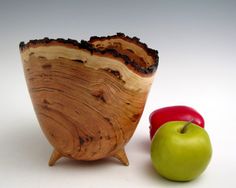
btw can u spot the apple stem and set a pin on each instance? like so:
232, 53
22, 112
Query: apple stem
183, 130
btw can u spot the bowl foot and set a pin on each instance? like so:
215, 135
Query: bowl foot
121, 156
54, 157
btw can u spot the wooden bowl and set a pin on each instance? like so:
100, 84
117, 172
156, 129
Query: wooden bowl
88, 96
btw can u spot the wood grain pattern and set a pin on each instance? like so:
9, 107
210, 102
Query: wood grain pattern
88, 103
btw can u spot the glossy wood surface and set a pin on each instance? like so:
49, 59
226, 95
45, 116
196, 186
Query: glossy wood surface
88, 104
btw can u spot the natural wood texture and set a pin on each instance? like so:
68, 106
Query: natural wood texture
88, 101
54, 157
121, 155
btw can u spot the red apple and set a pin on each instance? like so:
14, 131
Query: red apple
173, 113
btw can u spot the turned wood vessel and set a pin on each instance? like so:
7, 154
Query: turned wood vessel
88, 96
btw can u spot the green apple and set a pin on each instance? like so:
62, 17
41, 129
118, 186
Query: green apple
180, 150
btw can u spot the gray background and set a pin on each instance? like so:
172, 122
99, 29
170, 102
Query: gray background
196, 43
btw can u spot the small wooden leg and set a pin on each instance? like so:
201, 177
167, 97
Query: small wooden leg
54, 157
121, 155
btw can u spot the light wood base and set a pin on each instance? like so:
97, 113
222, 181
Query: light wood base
121, 156
54, 157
